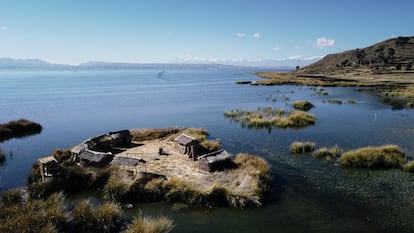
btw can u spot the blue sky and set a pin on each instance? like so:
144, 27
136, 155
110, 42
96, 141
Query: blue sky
76, 31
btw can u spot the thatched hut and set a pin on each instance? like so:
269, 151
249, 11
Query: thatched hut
48, 166
94, 158
216, 161
187, 145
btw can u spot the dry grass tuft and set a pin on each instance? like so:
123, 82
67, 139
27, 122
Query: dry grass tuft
328, 153
382, 157
150, 224
151, 134
409, 167
34, 216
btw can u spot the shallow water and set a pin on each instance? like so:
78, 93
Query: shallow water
309, 195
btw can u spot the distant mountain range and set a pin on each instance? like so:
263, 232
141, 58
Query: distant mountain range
181, 63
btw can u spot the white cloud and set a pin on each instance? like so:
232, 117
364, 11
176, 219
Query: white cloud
323, 42
276, 49
3, 28
241, 34
256, 35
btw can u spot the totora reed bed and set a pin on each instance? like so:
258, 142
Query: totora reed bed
271, 118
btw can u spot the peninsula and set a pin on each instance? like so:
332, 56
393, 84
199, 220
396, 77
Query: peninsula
386, 68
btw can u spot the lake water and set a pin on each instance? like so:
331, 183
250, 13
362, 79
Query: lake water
309, 195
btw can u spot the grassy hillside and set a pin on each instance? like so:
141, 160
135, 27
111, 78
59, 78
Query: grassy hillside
391, 56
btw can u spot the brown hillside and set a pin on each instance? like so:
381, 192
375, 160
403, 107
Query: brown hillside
391, 56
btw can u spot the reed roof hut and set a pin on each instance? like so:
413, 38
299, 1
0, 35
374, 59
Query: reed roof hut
48, 166
94, 158
187, 145
216, 161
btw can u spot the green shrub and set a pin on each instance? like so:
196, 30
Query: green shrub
302, 147
12, 197
382, 157
303, 105
150, 225
409, 167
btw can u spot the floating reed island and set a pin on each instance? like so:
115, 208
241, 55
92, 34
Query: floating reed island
269, 117
18, 128
173, 165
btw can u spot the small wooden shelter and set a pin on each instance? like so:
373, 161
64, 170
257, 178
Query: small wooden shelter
128, 163
215, 161
94, 158
48, 166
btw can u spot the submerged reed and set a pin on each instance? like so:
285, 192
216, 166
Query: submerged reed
271, 118
303, 105
302, 147
328, 153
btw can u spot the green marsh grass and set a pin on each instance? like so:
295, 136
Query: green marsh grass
381, 157
302, 147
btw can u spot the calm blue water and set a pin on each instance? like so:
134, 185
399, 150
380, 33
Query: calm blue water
309, 195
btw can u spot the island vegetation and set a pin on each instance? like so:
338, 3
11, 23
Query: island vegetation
53, 214
369, 157
18, 128
271, 118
